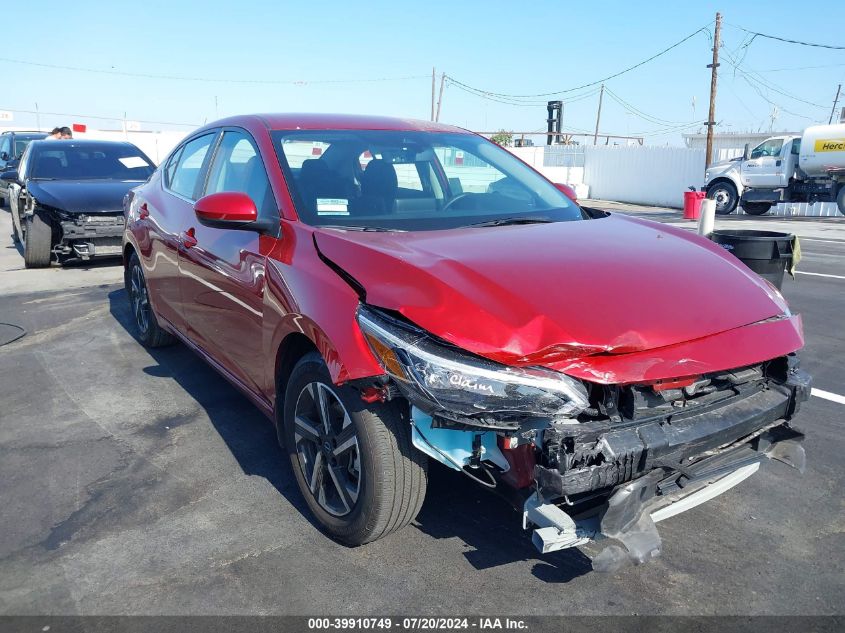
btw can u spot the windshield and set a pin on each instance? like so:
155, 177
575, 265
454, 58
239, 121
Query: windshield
63, 160
407, 180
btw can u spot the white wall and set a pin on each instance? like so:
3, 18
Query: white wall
156, 145
643, 175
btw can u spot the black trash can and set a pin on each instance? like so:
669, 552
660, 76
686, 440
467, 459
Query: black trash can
767, 253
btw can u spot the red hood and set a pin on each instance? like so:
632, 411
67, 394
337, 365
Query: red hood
544, 293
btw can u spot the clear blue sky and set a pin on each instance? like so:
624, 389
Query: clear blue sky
504, 47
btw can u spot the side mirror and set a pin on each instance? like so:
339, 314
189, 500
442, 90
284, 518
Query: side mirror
227, 210
9, 176
4, 156
568, 191
746, 152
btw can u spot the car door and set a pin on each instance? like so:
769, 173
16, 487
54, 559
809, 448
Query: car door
764, 167
168, 210
222, 270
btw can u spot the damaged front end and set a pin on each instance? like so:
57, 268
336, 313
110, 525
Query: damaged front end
89, 235
586, 461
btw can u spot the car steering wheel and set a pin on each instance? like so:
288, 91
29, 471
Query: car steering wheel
460, 196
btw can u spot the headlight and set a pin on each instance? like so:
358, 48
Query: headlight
443, 379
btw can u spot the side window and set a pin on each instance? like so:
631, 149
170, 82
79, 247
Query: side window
186, 173
171, 166
6, 145
771, 147
408, 176
238, 167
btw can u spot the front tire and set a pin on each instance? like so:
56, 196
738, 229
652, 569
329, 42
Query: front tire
354, 463
725, 196
149, 332
38, 241
756, 208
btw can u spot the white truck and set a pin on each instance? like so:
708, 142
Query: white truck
808, 168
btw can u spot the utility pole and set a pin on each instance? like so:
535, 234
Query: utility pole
37, 117
835, 101
433, 73
440, 96
598, 117
711, 119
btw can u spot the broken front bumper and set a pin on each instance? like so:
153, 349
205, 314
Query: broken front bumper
88, 236
591, 459
670, 466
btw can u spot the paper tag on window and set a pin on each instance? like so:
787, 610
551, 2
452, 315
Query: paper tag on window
131, 162
332, 206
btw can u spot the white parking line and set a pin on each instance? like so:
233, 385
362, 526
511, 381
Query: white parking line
833, 397
802, 272
815, 239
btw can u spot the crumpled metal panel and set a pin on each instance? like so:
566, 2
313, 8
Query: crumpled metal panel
570, 295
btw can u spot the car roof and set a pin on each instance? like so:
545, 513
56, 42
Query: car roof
312, 121
25, 133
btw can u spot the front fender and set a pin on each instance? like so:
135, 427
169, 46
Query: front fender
730, 174
298, 283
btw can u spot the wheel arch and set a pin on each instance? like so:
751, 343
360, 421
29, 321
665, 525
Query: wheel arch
727, 179
291, 349
128, 250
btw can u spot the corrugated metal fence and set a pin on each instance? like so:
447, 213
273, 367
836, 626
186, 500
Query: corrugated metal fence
642, 175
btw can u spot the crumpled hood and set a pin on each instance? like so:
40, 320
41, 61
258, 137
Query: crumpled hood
81, 196
544, 293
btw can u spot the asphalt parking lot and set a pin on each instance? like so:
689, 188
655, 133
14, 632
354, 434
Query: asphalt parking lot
140, 482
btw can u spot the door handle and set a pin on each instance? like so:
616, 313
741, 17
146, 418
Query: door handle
187, 238
143, 212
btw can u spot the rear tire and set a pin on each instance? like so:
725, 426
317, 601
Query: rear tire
377, 484
149, 332
38, 241
756, 208
725, 195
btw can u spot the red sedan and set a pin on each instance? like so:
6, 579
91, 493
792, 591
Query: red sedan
391, 291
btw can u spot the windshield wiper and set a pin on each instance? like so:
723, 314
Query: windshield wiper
514, 220
372, 229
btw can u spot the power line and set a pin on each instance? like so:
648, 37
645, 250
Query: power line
206, 79
780, 70
784, 39
771, 86
592, 83
637, 112
101, 118
514, 101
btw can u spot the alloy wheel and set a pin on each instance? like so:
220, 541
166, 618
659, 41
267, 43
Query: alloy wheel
140, 299
327, 448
